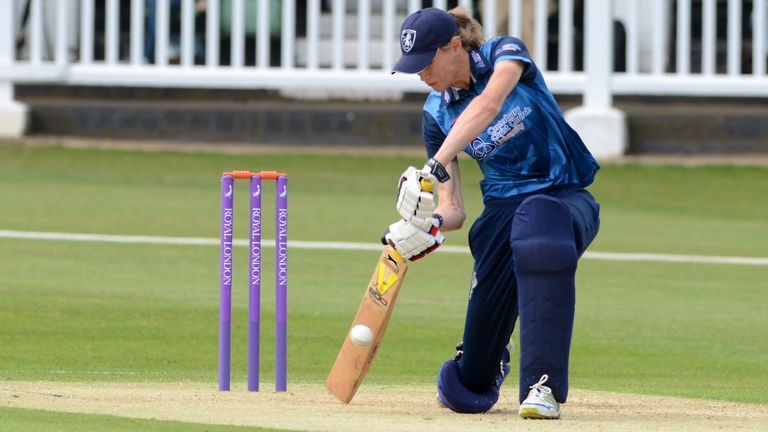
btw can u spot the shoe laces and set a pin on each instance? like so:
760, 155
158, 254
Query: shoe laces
459, 351
540, 387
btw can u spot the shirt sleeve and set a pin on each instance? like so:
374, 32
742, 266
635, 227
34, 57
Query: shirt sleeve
432, 134
512, 48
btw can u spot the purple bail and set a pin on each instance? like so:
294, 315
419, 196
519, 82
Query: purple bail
225, 303
254, 284
281, 284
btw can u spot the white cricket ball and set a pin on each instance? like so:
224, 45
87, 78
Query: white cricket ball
361, 335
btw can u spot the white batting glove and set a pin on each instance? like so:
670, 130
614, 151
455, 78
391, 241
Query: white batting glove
415, 204
411, 241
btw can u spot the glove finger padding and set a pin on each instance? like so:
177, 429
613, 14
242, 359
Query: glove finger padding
426, 224
410, 172
411, 241
412, 201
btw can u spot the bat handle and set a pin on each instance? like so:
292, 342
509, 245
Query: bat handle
395, 254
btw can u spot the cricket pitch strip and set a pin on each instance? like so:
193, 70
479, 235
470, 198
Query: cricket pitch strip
310, 407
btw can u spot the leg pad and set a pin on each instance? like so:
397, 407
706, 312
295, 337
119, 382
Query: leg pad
452, 393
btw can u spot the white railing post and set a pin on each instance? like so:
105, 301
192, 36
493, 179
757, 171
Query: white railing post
187, 33
263, 35
137, 32
36, 32
683, 61
388, 10
489, 19
112, 43
162, 36
61, 52
212, 28
759, 36
13, 115
659, 50
86, 32
313, 34
515, 14
363, 32
565, 53
539, 34
602, 127
598, 53
734, 38
709, 41
237, 37
288, 35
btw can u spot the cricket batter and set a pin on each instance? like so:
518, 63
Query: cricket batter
490, 100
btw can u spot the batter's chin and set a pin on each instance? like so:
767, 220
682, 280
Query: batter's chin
438, 89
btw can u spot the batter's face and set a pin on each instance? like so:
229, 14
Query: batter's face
445, 68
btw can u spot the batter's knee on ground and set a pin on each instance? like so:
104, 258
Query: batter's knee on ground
452, 393
542, 236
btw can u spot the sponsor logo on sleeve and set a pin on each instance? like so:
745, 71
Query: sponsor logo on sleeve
509, 48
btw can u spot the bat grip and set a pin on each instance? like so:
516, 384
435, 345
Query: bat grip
395, 254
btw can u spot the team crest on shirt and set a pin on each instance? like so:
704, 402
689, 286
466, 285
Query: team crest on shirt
407, 39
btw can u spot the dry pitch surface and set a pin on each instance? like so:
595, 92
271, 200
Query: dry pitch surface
309, 407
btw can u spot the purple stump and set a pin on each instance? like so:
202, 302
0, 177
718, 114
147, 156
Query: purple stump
281, 284
254, 292
225, 303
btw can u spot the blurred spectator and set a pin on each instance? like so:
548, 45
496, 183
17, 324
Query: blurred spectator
553, 40
174, 36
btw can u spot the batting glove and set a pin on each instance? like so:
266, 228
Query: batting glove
411, 241
414, 203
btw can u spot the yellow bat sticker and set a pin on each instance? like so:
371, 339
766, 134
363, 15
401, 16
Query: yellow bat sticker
383, 285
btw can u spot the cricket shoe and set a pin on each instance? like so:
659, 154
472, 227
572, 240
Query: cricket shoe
540, 404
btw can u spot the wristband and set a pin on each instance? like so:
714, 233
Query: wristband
438, 170
439, 218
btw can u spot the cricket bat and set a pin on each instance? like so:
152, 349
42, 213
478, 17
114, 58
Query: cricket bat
355, 358
379, 298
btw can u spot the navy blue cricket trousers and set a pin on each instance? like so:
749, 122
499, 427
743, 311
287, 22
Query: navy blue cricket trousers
525, 251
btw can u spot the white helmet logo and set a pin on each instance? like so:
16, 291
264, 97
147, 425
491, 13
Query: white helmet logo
407, 39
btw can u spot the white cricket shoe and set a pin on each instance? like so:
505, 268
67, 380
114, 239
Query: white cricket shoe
540, 404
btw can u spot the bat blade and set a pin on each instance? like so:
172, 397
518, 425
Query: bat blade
379, 298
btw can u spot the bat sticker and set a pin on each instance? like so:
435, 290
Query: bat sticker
376, 297
383, 285
393, 266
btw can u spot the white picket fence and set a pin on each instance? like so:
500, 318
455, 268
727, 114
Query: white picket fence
347, 47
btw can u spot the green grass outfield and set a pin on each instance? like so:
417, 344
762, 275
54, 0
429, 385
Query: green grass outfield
77, 311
